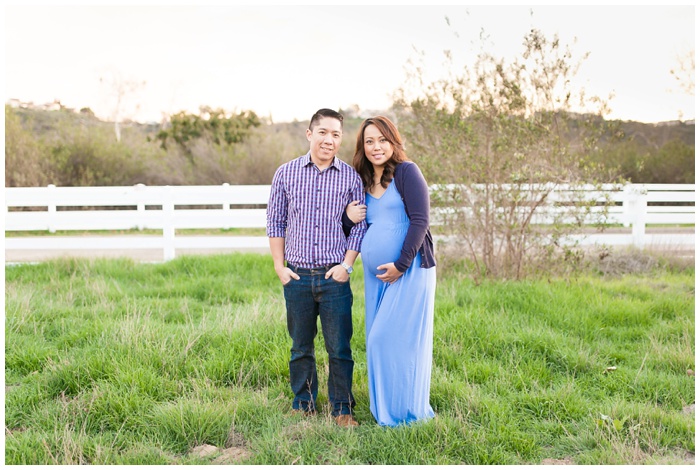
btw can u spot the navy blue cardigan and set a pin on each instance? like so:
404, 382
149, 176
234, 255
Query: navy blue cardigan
414, 192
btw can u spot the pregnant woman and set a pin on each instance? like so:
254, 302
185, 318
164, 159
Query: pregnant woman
399, 267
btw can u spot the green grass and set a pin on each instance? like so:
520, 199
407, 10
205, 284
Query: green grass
114, 362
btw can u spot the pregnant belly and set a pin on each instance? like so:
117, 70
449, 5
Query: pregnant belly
381, 245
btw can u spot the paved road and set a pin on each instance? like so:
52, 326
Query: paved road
156, 254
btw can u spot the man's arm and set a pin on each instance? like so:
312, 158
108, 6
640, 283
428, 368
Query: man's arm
277, 226
338, 272
350, 257
357, 232
277, 249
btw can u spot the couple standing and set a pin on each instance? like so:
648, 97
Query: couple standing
316, 225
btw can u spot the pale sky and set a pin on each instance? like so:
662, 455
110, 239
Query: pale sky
288, 61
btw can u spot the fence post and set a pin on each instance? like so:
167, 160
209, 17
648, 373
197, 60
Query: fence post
626, 212
52, 209
638, 212
168, 224
227, 207
140, 207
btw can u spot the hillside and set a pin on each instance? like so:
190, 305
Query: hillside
45, 122
71, 148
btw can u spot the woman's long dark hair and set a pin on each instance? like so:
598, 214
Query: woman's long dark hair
363, 166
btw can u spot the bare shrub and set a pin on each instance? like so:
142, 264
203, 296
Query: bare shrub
628, 260
500, 142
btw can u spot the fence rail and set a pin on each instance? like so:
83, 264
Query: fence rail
169, 208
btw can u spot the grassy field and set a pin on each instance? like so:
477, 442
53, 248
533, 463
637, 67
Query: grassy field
185, 362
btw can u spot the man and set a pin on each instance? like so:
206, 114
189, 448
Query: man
304, 223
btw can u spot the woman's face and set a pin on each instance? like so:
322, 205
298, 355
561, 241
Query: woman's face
378, 150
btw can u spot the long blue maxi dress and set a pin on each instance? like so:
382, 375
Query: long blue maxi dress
399, 318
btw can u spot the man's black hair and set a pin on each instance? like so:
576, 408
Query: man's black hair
325, 112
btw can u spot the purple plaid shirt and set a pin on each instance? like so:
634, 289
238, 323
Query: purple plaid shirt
306, 207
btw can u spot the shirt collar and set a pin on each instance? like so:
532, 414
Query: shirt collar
306, 161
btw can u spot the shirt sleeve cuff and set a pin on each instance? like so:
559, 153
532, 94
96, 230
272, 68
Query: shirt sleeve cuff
354, 245
275, 233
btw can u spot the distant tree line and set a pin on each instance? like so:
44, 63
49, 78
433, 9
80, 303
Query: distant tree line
651, 153
68, 148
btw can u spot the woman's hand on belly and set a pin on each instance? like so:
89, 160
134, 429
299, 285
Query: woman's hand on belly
391, 275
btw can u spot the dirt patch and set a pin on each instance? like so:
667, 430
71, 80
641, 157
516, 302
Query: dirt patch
676, 457
204, 450
230, 455
565, 461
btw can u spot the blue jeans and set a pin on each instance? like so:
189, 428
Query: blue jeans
310, 297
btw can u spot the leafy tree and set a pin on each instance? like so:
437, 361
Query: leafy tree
93, 158
638, 158
25, 162
505, 132
214, 125
673, 163
625, 158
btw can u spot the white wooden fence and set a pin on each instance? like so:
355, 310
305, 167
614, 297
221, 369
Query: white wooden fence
169, 208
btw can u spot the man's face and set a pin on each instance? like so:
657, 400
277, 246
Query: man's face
324, 141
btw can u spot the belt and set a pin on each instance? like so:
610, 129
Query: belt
316, 270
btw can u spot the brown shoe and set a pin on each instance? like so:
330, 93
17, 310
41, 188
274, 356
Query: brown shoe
346, 421
304, 412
